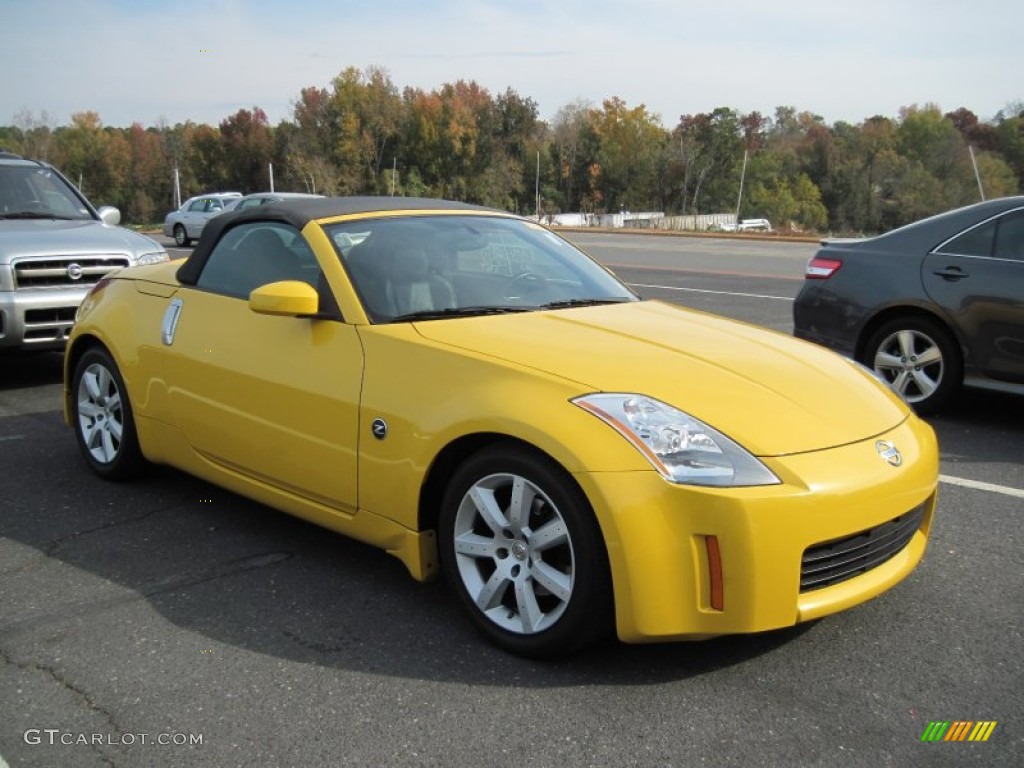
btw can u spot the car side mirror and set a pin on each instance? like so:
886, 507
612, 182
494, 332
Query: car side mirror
292, 298
110, 215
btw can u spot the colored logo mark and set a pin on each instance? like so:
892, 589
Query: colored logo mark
958, 730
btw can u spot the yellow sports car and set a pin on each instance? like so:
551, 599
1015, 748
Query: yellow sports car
470, 392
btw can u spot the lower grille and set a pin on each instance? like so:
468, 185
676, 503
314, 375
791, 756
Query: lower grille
49, 324
64, 270
835, 561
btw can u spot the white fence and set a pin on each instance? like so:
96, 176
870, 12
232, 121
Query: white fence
647, 220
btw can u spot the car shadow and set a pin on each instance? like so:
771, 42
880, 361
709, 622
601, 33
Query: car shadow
979, 427
21, 370
236, 573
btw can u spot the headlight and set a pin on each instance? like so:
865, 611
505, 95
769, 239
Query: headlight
683, 449
152, 258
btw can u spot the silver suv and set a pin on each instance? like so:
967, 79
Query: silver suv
186, 223
54, 246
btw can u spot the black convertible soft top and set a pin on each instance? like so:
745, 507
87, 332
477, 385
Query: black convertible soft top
298, 213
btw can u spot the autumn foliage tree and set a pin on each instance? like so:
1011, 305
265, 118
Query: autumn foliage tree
362, 134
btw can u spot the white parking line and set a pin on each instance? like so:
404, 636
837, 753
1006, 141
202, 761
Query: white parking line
11, 437
702, 290
980, 486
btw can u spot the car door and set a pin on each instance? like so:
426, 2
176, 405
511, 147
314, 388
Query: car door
194, 216
977, 277
271, 397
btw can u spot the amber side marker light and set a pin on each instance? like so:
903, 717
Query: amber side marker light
100, 284
715, 572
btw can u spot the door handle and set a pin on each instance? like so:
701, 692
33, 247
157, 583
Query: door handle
951, 273
170, 323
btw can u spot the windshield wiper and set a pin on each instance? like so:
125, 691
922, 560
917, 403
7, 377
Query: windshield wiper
440, 314
568, 303
33, 215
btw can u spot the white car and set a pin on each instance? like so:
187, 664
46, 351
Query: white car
186, 223
745, 225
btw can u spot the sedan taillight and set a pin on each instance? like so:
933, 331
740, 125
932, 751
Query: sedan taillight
822, 269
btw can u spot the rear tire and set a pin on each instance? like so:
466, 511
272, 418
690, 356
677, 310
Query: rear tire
919, 359
181, 236
101, 415
520, 546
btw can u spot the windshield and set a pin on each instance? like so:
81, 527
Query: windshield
33, 192
436, 266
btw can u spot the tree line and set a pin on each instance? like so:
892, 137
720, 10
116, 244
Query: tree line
364, 135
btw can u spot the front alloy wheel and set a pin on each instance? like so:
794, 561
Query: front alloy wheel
522, 549
102, 417
918, 359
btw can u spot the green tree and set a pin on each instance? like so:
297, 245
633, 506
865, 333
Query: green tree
364, 113
711, 153
931, 139
1009, 133
204, 161
997, 177
864, 158
517, 137
572, 148
630, 145
94, 157
788, 201
310, 147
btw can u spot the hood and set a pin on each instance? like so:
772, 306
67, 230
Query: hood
773, 394
48, 237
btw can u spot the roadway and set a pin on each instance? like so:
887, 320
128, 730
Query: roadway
168, 607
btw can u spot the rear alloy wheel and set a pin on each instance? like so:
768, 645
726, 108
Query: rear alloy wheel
102, 418
180, 235
521, 547
918, 359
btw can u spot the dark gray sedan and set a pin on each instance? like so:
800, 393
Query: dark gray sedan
930, 306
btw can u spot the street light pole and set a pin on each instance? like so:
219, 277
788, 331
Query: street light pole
739, 200
976, 174
537, 187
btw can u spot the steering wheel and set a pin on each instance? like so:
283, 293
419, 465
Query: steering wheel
522, 284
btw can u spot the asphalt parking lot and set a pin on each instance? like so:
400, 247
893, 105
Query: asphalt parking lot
167, 610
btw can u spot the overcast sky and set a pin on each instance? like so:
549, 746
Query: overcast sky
202, 60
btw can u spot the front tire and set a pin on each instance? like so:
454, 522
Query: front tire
101, 415
181, 236
521, 547
919, 359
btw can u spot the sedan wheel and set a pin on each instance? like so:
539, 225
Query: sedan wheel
918, 359
102, 417
180, 235
522, 549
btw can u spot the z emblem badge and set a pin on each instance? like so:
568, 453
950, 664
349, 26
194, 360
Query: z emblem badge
889, 452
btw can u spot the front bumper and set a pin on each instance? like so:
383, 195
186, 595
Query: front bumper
657, 537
